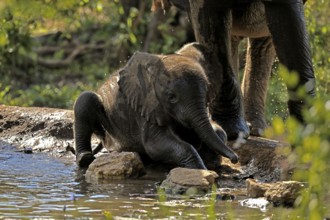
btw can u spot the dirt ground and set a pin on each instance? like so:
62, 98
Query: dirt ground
40, 129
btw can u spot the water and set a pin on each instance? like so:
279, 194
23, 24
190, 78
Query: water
37, 186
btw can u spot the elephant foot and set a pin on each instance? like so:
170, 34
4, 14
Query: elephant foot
211, 160
84, 159
214, 165
257, 125
234, 127
256, 131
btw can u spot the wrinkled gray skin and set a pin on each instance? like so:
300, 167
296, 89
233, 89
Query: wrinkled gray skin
273, 27
157, 106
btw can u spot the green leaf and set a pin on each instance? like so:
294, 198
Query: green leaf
278, 126
3, 38
132, 38
108, 215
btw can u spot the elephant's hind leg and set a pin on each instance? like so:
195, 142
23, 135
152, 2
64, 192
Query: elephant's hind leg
87, 111
286, 23
259, 60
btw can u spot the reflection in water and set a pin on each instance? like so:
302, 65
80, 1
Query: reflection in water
35, 185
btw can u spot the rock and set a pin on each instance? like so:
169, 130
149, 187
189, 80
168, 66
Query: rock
279, 193
115, 165
261, 159
256, 189
28, 150
225, 197
50, 130
284, 193
191, 182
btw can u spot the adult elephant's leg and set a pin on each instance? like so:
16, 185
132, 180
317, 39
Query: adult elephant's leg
235, 41
211, 25
259, 60
287, 26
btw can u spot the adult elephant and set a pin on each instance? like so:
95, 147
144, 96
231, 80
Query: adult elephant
219, 25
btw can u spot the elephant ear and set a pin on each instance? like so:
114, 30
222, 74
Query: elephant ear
139, 82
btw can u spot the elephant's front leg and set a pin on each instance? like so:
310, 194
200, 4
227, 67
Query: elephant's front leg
259, 60
287, 26
88, 116
162, 145
211, 25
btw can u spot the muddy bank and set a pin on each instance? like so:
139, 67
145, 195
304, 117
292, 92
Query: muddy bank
51, 131
41, 129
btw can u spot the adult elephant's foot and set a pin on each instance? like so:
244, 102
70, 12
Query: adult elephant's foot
234, 126
227, 109
257, 124
257, 129
84, 159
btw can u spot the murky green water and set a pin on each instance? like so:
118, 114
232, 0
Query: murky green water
37, 186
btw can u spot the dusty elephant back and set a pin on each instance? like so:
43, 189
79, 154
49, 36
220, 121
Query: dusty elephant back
123, 133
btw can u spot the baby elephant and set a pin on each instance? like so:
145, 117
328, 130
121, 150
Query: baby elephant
156, 105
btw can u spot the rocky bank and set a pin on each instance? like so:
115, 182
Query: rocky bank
51, 130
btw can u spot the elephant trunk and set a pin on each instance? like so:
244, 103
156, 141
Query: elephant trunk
202, 126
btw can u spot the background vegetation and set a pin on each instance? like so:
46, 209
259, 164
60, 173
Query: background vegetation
52, 50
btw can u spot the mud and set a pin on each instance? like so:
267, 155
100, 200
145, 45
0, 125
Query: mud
40, 129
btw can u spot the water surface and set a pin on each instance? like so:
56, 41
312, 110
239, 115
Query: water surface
38, 186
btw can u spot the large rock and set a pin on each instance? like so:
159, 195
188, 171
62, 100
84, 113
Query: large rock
279, 193
115, 165
284, 193
191, 182
256, 189
260, 158
264, 159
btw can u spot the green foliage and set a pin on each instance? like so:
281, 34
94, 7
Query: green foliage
277, 96
35, 48
122, 31
119, 32
45, 95
108, 215
211, 214
162, 198
310, 153
319, 33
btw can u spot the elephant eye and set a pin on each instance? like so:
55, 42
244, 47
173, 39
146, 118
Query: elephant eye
172, 97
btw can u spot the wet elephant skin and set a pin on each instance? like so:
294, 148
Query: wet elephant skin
153, 106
